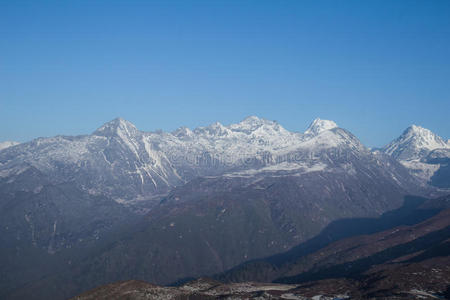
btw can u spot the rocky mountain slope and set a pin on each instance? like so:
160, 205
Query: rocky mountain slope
407, 261
204, 289
363, 236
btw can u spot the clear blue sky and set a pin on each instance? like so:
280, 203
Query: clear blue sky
374, 67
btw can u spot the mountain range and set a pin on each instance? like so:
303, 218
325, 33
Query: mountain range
118, 204
154, 162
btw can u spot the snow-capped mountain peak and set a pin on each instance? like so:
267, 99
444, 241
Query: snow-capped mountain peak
424, 138
251, 124
417, 130
318, 126
420, 150
182, 132
414, 143
216, 129
117, 126
254, 120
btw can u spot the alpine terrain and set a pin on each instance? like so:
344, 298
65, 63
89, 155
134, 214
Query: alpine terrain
250, 201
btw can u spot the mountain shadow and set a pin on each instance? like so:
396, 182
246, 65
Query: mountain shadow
355, 269
413, 211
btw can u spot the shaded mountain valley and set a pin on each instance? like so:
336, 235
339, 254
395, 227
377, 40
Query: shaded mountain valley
403, 254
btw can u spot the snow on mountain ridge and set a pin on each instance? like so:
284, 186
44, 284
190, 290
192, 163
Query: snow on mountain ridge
182, 132
318, 126
116, 126
412, 149
252, 123
7, 144
414, 143
126, 163
426, 138
216, 129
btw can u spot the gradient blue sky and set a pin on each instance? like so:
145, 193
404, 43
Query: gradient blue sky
374, 67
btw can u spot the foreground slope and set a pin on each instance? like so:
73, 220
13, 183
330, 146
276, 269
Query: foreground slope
407, 261
403, 251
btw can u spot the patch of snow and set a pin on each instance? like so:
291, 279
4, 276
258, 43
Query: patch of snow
423, 294
422, 170
318, 126
7, 144
302, 168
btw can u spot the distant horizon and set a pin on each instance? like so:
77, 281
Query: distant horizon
374, 67
226, 124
